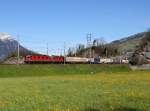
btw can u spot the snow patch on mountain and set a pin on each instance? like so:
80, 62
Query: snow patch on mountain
5, 36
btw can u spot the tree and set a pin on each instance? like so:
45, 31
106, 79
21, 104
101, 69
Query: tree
145, 43
80, 49
70, 52
99, 41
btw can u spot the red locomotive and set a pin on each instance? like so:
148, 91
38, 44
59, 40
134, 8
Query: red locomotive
43, 59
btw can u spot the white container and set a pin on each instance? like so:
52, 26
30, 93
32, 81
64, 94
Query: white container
76, 60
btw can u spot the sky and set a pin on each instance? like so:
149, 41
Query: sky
53, 22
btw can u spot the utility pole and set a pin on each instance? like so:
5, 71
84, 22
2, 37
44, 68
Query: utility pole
106, 53
47, 48
88, 37
18, 48
64, 53
75, 50
120, 58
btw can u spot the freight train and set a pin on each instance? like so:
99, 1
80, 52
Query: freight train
44, 59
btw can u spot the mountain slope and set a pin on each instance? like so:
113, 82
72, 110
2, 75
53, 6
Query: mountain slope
9, 46
129, 43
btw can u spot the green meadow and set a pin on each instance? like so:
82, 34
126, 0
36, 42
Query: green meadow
73, 88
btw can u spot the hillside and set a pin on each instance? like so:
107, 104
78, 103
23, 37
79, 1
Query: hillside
129, 43
126, 44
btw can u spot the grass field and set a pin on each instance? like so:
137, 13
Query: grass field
73, 88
